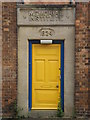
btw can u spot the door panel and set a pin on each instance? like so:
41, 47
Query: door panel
45, 76
39, 70
53, 70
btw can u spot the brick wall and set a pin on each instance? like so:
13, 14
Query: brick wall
89, 55
82, 59
9, 58
0, 59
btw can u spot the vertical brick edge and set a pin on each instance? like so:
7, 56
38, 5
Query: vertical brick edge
0, 59
9, 58
82, 60
89, 57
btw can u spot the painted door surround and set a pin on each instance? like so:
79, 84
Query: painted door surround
58, 52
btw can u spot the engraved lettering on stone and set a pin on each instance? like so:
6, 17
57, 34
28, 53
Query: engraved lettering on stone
46, 32
24, 17
44, 15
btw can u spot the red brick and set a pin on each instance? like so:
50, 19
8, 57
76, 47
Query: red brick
9, 58
81, 62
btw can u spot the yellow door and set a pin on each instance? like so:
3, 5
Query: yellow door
45, 76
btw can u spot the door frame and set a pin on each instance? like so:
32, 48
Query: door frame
30, 71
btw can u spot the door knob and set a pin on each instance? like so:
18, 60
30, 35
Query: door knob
57, 86
59, 68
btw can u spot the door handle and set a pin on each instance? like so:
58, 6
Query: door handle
57, 86
59, 68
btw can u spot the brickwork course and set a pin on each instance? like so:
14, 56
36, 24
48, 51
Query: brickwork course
0, 59
89, 55
82, 48
9, 58
10, 65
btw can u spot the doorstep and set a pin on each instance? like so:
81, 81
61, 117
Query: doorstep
53, 118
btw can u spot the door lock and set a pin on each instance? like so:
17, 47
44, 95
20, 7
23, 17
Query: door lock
57, 86
59, 68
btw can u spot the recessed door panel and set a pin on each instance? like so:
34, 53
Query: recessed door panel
53, 70
39, 70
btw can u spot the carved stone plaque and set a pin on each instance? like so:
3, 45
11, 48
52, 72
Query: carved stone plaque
45, 16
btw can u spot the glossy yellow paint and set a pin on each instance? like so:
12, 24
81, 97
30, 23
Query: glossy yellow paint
45, 76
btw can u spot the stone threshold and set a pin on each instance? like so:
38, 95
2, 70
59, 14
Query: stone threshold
52, 118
